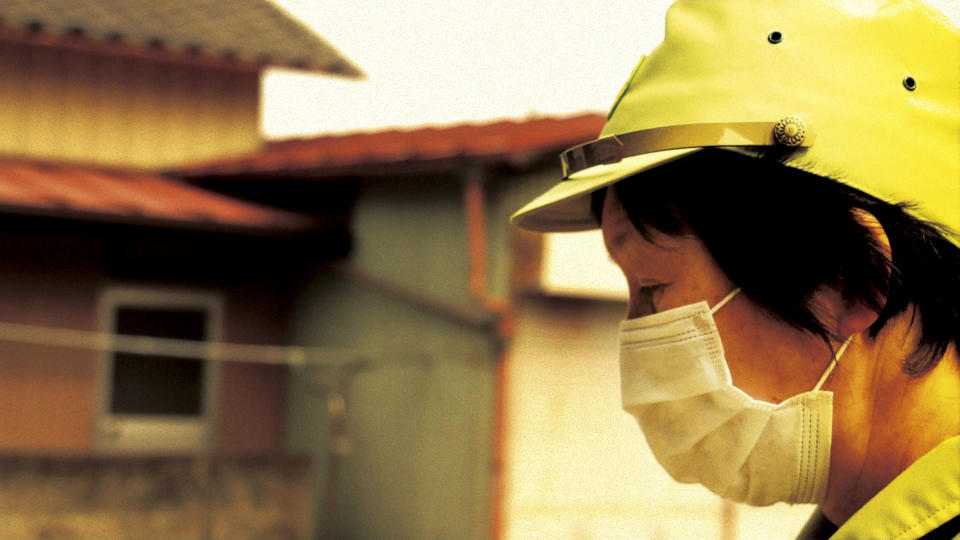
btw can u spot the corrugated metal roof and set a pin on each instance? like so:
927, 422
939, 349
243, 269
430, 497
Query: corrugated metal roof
513, 142
254, 31
82, 192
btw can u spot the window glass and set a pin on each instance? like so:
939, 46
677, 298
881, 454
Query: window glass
157, 384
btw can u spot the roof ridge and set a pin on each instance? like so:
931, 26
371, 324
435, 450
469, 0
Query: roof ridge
579, 116
514, 141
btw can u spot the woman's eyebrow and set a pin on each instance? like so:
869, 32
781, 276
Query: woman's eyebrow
619, 239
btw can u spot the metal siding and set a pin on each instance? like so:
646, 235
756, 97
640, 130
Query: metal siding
63, 104
46, 103
79, 133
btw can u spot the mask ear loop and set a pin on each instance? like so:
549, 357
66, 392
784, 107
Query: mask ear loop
726, 299
833, 363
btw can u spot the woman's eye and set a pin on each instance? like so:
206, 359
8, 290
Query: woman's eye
653, 289
643, 300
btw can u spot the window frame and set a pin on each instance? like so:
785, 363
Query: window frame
156, 434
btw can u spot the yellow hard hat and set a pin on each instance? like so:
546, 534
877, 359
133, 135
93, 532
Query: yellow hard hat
863, 91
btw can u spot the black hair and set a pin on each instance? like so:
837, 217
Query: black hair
780, 234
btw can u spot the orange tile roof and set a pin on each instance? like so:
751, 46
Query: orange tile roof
136, 197
511, 142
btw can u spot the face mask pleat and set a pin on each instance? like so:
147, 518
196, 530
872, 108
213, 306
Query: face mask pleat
691, 423
663, 320
814, 455
662, 369
785, 454
713, 461
673, 378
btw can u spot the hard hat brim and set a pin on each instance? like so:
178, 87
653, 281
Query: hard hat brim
566, 206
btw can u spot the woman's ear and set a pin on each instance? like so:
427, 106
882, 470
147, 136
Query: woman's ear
844, 317
853, 316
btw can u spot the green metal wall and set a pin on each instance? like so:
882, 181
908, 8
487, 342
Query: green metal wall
419, 413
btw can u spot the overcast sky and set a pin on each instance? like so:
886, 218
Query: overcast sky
443, 61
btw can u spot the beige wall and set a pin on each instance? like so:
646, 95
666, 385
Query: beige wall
47, 394
84, 106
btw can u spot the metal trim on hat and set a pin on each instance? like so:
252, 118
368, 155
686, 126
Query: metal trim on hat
790, 131
615, 148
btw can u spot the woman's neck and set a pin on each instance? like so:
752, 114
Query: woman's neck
884, 419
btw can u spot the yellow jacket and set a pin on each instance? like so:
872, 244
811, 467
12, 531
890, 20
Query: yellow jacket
922, 499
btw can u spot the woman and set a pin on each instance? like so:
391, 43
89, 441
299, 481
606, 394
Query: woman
780, 184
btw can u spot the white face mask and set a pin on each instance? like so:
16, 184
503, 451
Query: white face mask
702, 429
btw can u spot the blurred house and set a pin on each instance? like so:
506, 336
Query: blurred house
122, 412
410, 442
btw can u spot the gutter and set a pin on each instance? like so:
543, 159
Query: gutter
474, 204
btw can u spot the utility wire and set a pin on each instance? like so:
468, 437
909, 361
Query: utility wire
177, 348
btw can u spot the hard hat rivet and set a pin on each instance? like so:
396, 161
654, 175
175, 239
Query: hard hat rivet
909, 83
790, 131
775, 37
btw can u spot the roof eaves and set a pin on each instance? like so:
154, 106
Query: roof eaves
90, 193
256, 34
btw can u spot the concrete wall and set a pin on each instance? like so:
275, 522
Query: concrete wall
81, 498
58, 103
419, 408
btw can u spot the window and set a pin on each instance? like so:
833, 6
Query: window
159, 399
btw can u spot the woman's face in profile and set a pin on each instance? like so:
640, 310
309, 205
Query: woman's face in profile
768, 359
